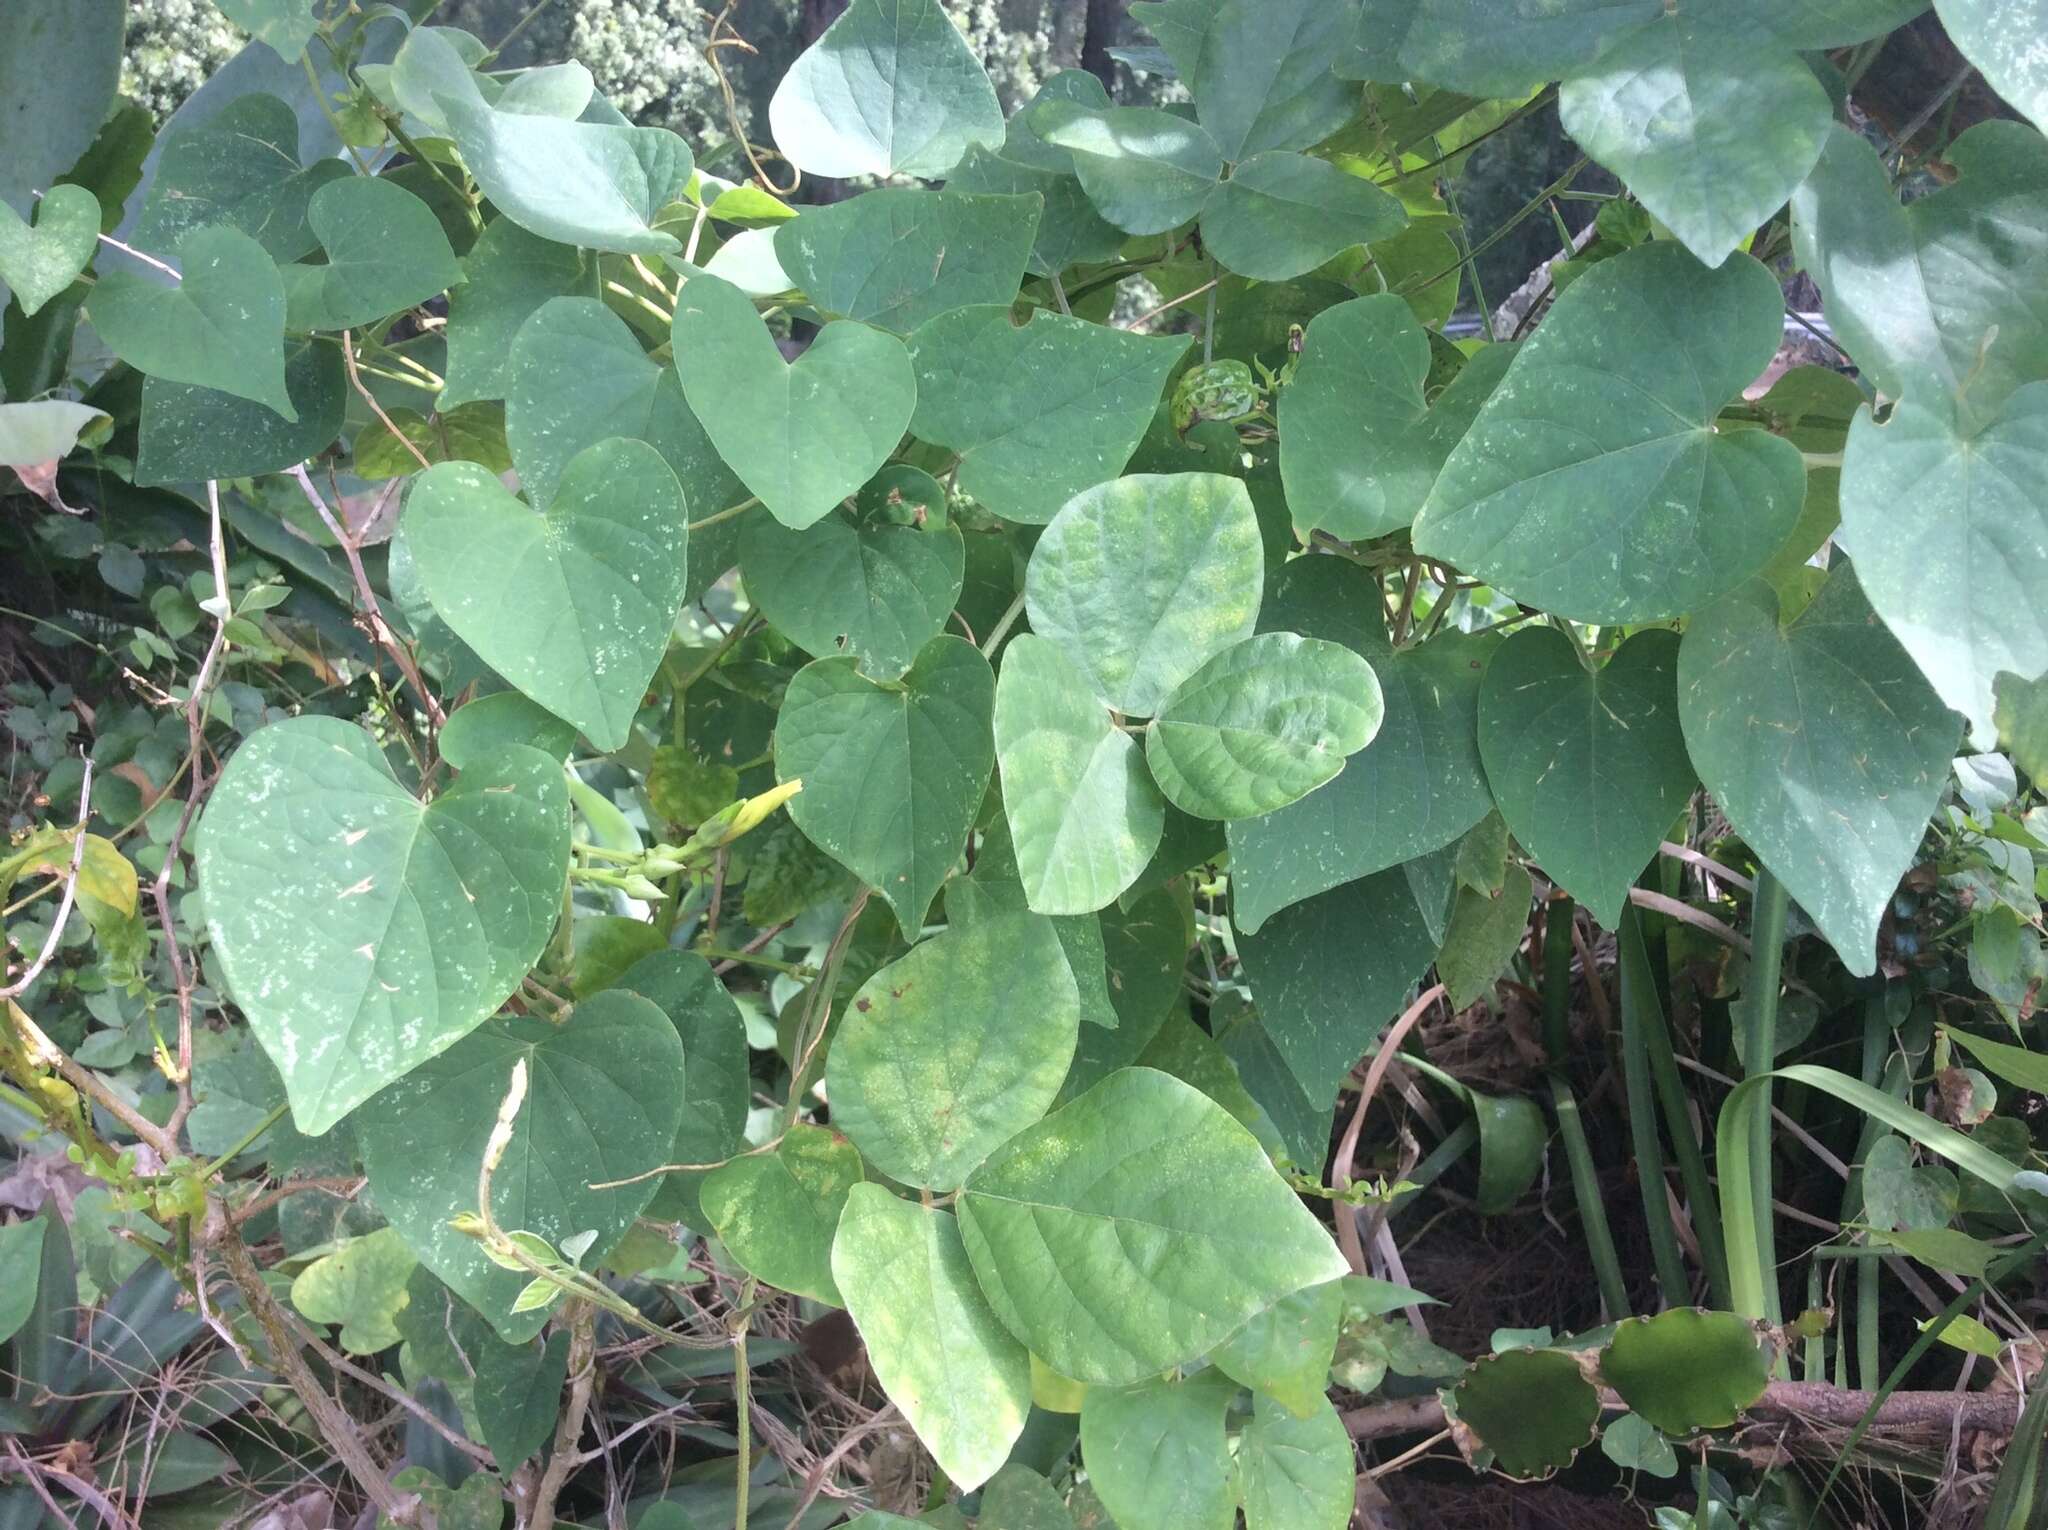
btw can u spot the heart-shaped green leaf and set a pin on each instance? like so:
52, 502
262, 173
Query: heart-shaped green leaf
891, 89
40, 262
1914, 291
1991, 35
1070, 230
801, 436
1261, 725
993, 890
1146, 170
937, 1064
777, 1212
1139, 582
893, 773
1712, 124
431, 913
385, 252
1295, 1471
1822, 743
897, 256
1084, 816
507, 275
1359, 446
939, 1352
1950, 533
221, 327
604, 1090
190, 433
1280, 216
518, 1394
1259, 70
871, 589
1589, 769
360, 1288
1595, 483
283, 25
585, 597
1416, 787
1331, 972
1038, 412
240, 169
716, 1090
1130, 1230
1285, 1351
1157, 1453
597, 185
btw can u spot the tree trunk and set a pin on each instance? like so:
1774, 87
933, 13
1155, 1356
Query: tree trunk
1104, 31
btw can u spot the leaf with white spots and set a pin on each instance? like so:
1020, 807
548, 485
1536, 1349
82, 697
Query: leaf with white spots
581, 601
1595, 482
360, 930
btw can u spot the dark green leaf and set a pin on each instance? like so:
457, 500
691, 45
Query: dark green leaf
897, 257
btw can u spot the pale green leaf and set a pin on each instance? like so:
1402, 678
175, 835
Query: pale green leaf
801, 436
1932, 295
604, 1093
1285, 1351
941, 1356
1822, 743
891, 89
1156, 1452
893, 774
942, 1058
1083, 813
896, 257
430, 914
1038, 412
284, 25
2003, 39
1262, 724
777, 1212
1950, 534
360, 1287
1135, 1227
1295, 1472
597, 185
43, 431
1589, 767
1140, 581
41, 261
222, 327
580, 610
1416, 787
1594, 482
1712, 125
